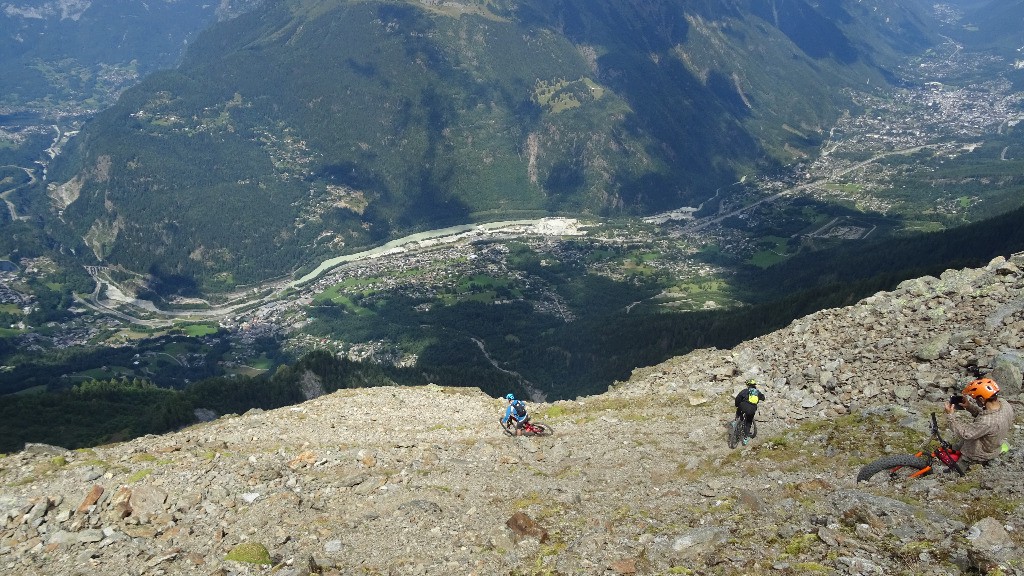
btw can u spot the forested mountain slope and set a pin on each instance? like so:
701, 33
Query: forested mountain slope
997, 25
65, 55
321, 126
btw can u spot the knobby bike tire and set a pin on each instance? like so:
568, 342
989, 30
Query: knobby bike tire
908, 461
735, 429
508, 430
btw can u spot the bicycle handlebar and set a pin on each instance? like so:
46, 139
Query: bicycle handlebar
937, 435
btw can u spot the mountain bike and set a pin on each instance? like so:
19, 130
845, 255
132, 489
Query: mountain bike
736, 430
916, 465
529, 429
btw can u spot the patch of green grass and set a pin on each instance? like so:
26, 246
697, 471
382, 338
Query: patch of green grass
994, 506
555, 411
853, 440
345, 295
51, 465
195, 330
766, 258
800, 544
261, 363
552, 548
922, 227
94, 462
139, 475
773, 249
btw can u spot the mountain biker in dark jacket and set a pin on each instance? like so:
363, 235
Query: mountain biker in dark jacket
747, 402
515, 414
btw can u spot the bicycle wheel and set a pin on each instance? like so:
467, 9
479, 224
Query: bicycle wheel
898, 466
735, 431
508, 430
541, 429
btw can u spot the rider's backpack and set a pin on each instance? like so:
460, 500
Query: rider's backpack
519, 408
753, 396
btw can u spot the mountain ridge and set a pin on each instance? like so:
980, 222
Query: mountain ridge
335, 125
637, 480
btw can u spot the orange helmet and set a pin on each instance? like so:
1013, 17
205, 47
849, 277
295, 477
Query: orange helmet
984, 388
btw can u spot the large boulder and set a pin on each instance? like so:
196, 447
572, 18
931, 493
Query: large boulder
1007, 371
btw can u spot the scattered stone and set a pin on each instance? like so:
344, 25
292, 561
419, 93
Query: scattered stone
991, 547
523, 525
627, 566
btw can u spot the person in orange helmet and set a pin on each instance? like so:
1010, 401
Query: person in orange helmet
984, 436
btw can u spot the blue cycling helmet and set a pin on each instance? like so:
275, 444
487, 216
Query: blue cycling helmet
510, 396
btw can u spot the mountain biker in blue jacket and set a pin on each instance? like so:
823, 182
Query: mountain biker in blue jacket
515, 414
746, 404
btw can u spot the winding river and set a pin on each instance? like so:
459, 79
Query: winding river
451, 234
398, 243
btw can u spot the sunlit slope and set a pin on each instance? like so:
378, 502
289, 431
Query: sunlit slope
322, 126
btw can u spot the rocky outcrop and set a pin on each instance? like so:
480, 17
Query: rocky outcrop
638, 480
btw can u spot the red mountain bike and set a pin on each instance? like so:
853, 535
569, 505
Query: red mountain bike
529, 428
916, 465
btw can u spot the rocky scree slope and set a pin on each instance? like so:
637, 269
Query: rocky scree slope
637, 480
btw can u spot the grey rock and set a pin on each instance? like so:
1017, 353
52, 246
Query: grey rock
934, 348
991, 546
204, 415
905, 392
1007, 371
333, 546
858, 566
45, 449
696, 542
147, 500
